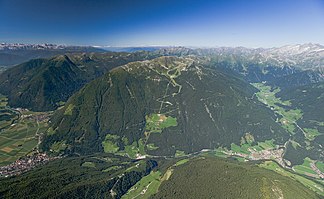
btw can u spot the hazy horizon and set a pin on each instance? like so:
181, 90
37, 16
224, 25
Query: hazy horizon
127, 23
160, 46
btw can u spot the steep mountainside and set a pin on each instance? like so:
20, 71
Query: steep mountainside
310, 138
297, 79
41, 84
97, 176
213, 178
310, 99
164, 106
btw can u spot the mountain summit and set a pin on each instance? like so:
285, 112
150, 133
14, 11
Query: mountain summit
161, 106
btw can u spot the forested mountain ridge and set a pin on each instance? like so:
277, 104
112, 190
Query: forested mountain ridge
42, 84
161, 107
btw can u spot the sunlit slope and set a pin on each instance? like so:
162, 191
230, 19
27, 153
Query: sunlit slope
214, 178
164, 106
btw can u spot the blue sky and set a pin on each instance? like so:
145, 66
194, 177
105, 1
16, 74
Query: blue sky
250, 23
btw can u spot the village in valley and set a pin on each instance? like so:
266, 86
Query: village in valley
21, 132
24, 164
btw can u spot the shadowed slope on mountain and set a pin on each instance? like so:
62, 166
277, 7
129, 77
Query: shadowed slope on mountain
41, 84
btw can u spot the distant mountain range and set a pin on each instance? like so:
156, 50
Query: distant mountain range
306, 56
12, 54
298, 64
132, 49
19, 46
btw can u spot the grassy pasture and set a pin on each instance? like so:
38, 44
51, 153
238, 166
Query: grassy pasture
320, 166
146, 187
311, 134
305, 168
155, 123
289, 116
18, 134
